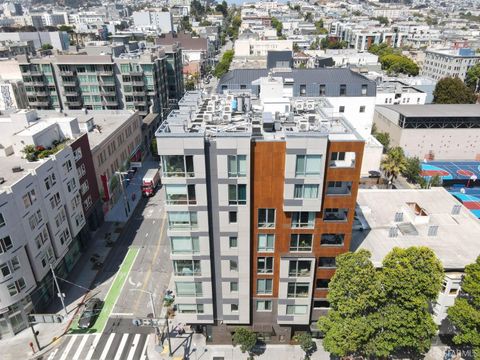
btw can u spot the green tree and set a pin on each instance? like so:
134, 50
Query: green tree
465, 313
435, 181
394, 163
224, 65
382, 20
246, 339
412, 170
472, 80
153, 147
277, 25
394, 63
453, 91
47, 47
306, 344
296, 48
185, 23
189, 85
384, 139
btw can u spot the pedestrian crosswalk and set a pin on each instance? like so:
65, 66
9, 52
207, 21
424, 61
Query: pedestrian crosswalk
113, 346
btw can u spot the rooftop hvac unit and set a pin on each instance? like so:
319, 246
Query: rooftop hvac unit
227, 117
299, 105
229, 97
310, 105
227, 109
210, 108
214, 97
303, 125
207, 117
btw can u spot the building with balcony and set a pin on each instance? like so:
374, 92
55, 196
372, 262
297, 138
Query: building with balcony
448, 63
258, 205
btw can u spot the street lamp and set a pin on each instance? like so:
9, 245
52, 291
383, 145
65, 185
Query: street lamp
121, 174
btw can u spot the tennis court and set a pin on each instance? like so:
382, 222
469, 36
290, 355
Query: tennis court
469, 197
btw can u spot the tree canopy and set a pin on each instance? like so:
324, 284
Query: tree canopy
245, 338
393, 61
394, 163
412, 170
472, 79
465, 313
224, 65
453, 91
378, 313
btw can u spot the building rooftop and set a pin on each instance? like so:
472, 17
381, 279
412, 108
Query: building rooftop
396, 87
436, 110
404, 218
462, 52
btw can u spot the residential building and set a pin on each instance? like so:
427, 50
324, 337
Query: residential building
174, 74
60, 40
41, 212
396, 92
153, 20
97, 82
10, 49
449, 63
253, 47
440, 131
432, 218
41, 20
258, 205
12, 95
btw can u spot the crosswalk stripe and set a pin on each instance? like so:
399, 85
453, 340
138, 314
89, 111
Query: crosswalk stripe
92, 347
80, 347
134, 347
118, 355
68, 348
107, 347
143, 354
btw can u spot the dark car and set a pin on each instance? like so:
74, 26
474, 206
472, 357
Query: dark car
90, 314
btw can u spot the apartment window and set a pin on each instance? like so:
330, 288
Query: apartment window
88, 202
264, 305
178, 166
233, 307
232, 217
50, 181
233, 265
339, 187
303, 219
343, 90
55, 200
77, 154
84, 188
266, 218
322, 283
188, 288
265, 265
5, 244
234, 286
299, 268
322, 90
341, 109
81, 171
303, 90
332, 239
362, 109
2, 220
237, 194
182, 220
264, 286
180, 194
5, 270
237, 165
335, 214
297, 309
29, 198
232, 242
326, 262
305, 191
321, 304
190, 308
297, 290
67, 167
301, 242
12, 289
71, 185
60, 218
76, 201
308, 165
266, 242
184, 244
187, 267
364, 89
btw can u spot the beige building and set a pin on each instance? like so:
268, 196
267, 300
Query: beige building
433, 132
253, 47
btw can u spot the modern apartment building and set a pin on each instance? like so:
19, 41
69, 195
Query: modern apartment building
258, 206
101, 82
448, 63
41, 214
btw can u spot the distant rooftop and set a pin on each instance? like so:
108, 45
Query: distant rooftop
433, 110
404, 218
462, 52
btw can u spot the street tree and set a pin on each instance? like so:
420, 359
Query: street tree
394, 163
306, 344
472, 79
246, 339
412, 170
453, 91
465, 313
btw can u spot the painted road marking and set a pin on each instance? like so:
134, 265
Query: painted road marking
146, 235
107, 347
143, 354
135, 341
93, 346
52, 354
80, 347
118, 355
68, 348
121, 314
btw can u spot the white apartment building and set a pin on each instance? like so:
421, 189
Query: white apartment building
12, 95
41, 214
253, 47
448, 63
153, 20
398, 93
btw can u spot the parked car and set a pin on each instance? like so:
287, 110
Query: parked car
90, 313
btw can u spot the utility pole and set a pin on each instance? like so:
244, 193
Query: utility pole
35, 337
58, 289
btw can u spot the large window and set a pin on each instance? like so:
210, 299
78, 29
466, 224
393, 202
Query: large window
264, 286
308, 165
266, 218
186, 267
305, 191
188, 288
297, 290
301, 242
299, 268
339, 187
332, 239
297, 309
335, 214
237, 194
264, 305
342, 159
327, 262
5, 244
178, 166
266, 242
180, 194
184, 244
182, 219
265, 265
322, 283
190, 308
303, 219
237, 165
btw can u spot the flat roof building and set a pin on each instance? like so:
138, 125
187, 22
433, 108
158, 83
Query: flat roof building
448, 63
